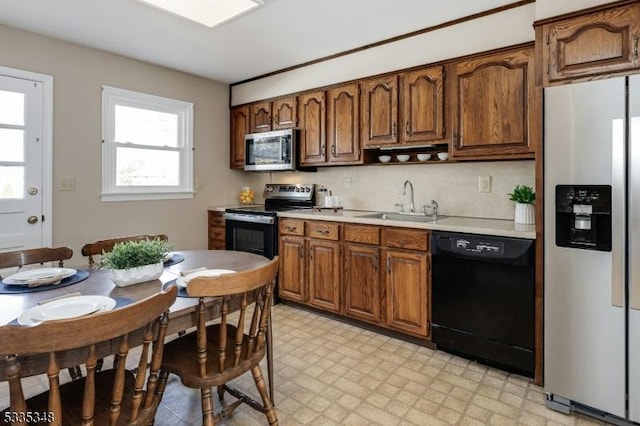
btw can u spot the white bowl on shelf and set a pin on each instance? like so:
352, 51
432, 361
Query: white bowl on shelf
443, 155
403, 158
424, 157
384, 158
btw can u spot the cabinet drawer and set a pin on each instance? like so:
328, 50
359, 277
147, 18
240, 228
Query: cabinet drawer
216, 220
362, 234
323, 230
291, 227
216, 233
406, 238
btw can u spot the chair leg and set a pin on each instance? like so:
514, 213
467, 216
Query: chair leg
221, 392
207, 407
162, 384
266, 401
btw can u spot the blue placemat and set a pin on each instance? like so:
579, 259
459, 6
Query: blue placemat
176, 258
15, 289
182, 291
120, 302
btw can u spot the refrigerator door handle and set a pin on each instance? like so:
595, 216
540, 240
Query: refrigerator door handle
634, 217
618, 210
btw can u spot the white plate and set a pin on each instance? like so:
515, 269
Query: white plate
167, 257
70, 307
21, 278
182, 281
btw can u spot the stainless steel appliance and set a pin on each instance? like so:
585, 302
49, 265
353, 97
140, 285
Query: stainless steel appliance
255, 228
483, 298
592, 296
271, 150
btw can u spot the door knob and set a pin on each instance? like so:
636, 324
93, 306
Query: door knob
32, 219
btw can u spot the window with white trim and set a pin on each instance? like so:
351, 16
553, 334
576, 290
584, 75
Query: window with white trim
147, 146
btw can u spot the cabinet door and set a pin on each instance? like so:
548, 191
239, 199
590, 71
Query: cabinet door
216, 230
261, 117
380, 111
323, 274
601, 42
312, 115
497, 110
285, 112
407, 291
362, 282
423, 105
343, 124
291, 278
239, 128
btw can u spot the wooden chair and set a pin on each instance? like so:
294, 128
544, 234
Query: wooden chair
32, 256
216, 354
105, 246
115, 397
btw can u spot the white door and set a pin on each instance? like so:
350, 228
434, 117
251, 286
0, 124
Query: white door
21, 163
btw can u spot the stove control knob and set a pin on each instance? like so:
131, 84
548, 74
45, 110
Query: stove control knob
307, 189
297, 189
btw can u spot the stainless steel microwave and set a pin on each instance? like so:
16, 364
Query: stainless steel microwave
270, 150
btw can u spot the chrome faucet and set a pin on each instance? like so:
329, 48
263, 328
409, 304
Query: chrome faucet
412, 207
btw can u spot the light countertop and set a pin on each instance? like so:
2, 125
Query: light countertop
472, 225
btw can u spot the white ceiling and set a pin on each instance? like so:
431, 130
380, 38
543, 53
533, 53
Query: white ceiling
280, 34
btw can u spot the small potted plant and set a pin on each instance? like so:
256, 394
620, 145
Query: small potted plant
133, 262
525, 197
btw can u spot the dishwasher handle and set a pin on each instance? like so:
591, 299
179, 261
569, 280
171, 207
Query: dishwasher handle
484, 248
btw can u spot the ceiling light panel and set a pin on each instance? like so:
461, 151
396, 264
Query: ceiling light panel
205, 12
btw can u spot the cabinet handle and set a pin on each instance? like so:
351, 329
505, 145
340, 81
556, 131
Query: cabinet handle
406, 127
310, 254
388, 265
290, 228
393, 130
333, 150
301, 251
276, 120
376, 261
324, 231
635, 46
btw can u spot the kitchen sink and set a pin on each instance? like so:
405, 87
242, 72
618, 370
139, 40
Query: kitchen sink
405, 217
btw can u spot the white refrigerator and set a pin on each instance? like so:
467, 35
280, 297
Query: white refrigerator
592, 296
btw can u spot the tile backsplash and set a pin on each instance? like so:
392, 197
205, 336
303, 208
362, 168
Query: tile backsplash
453, 185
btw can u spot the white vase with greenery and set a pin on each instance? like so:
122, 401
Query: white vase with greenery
133, 262
525, 198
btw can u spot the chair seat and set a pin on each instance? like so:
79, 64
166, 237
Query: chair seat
72, 392
179, 358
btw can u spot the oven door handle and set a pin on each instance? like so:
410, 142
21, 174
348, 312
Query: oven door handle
238, 217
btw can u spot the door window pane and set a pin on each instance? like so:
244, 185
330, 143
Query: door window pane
11, 145
146, 127
11, 108
147, 167
11, 182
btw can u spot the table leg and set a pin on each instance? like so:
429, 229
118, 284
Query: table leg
270, 359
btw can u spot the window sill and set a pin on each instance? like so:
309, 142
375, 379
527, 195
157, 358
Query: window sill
145, 196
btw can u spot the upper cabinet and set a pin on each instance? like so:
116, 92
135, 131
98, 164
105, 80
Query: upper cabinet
274, 115
312, 114
593, 43
343, 124
239, 128
404, 108
496, 106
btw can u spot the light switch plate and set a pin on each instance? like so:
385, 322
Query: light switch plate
484, 184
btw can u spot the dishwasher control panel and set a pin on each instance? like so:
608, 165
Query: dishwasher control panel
465, 245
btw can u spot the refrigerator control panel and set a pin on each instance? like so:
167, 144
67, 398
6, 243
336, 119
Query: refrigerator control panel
583, 217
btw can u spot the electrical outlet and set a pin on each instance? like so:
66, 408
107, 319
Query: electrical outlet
484, 184
68, 184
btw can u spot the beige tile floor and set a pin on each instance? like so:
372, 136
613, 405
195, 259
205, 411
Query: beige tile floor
331, 373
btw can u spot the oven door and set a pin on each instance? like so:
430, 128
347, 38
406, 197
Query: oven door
251, 233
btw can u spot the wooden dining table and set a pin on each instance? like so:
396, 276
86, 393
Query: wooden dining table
182, 315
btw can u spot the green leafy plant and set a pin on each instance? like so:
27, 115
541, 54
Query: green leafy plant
131, 254
523, 194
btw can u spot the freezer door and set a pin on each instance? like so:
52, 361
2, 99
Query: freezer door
634, 248
584, 323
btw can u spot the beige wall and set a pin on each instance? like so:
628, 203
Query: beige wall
78, 75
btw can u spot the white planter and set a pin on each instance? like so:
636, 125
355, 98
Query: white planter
525, 214
126, 277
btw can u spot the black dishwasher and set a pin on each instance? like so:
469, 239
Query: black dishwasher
483, 299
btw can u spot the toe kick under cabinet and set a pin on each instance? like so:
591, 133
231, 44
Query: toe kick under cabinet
375, 274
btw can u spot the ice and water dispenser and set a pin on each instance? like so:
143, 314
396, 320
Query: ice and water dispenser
583, 216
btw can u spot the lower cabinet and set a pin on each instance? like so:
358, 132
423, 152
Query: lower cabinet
216, 231
406, 291
375, 274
